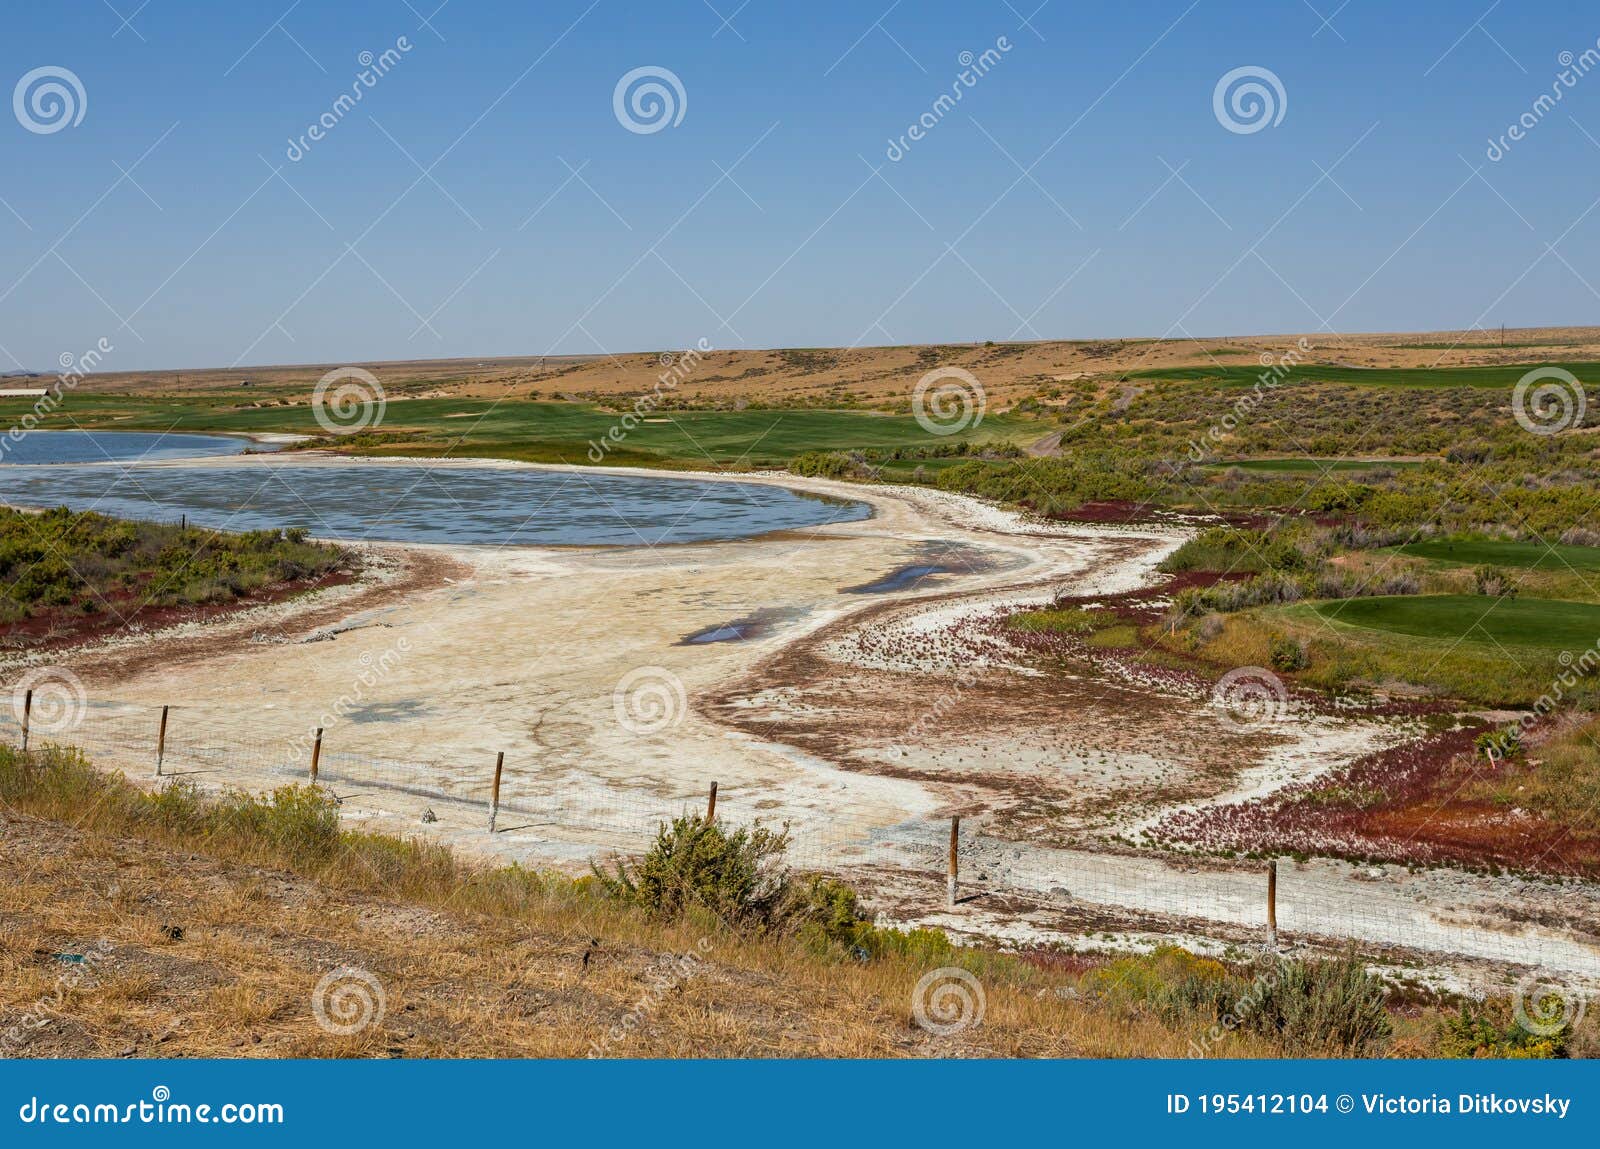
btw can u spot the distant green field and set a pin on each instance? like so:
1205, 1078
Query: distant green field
1458, 346
1474, 619
1531, 556
1497, 376
1314, 464
551, 431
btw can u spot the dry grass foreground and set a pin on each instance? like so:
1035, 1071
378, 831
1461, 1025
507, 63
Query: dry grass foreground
123, 935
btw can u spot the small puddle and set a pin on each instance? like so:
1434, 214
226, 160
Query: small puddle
936, 559
900, 579
739, 629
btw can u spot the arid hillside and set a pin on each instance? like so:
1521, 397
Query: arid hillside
810, 376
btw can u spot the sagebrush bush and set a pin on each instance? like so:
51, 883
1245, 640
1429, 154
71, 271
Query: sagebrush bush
1289, 654
1307, 1007
737, 875
1323, 1007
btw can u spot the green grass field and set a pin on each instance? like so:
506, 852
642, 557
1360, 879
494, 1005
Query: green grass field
546, 431
1497, 376
1547, 624
1523, 555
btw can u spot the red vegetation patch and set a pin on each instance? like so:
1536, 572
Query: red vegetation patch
1402, 805
1112, 511
62, 627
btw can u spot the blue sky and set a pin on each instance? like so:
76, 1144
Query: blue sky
171, 222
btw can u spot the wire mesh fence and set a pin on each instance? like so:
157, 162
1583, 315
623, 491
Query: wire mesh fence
568, 815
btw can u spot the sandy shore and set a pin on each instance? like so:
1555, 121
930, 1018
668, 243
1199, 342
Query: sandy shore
861, 720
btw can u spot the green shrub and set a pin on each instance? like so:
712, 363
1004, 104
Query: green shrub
739, 876
1491, 1030
1323, 1007
1497, 745
300, 821
1490, 580
1306, 1007
826, 465
830, 917
1289, 654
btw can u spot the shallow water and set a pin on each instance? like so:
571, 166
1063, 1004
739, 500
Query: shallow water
899, 579
40, 447
431, 504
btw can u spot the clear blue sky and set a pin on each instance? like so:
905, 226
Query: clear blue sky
200, 255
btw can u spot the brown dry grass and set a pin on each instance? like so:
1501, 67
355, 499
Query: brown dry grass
562, 977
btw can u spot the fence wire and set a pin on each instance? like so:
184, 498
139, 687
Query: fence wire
567, 814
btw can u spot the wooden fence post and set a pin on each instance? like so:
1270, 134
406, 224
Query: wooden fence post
711, 805
316, 755
27, 712
161, 742
1272, 904
494, 800
953, 868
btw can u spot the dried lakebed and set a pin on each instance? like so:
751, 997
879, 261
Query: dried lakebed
862, 720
